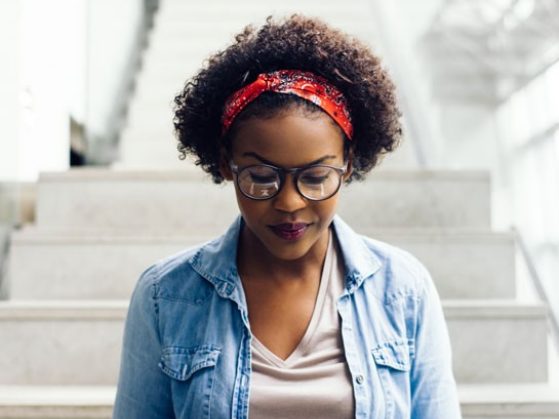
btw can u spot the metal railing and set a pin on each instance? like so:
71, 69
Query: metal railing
538, 283
4, 253
104, 150
9, 219
419, 119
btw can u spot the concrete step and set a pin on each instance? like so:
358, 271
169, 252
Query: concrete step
154, 128
224, 28
49, 342
185, 35
251, 3
82, 265
174, 201
52, 343
532, 401
183, 38
204, 39
178, 56
170, 76
189, 53
234, 19
172, 59
56, 402
161, 49
498, 341
514, 401
257, 12
134, 155
161, 108
162, 136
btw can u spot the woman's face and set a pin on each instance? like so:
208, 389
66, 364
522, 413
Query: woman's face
287, 225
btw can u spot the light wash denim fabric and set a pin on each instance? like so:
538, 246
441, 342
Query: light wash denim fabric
186, 352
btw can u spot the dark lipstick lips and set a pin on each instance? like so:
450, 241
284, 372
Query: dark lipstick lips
289, 231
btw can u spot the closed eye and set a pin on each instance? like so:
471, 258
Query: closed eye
262, 179
313, 180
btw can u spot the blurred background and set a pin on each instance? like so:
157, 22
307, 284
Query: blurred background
86, 92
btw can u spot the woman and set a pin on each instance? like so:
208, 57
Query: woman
290, 313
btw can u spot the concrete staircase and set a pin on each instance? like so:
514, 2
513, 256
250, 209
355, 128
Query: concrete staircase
184, 35
72, 272
71, 275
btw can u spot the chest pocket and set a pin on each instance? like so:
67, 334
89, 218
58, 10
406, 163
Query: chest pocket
192, 371
393, 361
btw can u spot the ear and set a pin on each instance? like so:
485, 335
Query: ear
349, 170
224, 168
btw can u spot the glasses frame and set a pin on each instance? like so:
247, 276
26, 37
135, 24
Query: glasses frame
282, 172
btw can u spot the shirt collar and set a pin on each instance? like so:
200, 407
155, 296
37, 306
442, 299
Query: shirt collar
360, 261
217, 260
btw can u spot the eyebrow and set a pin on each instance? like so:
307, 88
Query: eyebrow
263, 160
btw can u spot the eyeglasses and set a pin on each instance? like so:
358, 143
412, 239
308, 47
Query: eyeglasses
264, 181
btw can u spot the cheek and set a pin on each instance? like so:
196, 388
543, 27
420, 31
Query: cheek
325, 212
329, 206
250, 208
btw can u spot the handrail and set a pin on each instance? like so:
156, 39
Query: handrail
106, 148
11, 194
421, 142
128, 83
538, 283
4, 253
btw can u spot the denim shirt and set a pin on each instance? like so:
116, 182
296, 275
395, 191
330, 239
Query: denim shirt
186, 349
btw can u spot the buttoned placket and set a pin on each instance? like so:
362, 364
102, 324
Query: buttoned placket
244, 370
230, 291
365, 408
241, 392
352, 357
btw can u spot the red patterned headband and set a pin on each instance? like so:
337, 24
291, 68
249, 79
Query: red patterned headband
304, 84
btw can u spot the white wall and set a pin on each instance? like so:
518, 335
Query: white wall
51, 80
9, 40
453, 134
59, 59
37, 77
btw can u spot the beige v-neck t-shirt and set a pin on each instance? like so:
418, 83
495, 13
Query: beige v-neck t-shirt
314, 381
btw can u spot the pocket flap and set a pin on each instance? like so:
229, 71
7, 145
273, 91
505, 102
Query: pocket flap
180, 363
394, 354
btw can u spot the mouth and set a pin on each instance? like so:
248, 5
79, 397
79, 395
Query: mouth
289, 231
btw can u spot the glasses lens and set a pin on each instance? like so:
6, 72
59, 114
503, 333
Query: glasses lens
259, 182
319, 182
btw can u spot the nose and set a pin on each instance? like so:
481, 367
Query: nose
289, 199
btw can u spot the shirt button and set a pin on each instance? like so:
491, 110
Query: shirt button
359, 379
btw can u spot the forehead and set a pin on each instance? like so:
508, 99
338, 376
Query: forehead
289, 138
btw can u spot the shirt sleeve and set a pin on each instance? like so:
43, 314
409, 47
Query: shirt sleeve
143, 390
433, 387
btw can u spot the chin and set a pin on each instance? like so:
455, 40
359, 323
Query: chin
285, 250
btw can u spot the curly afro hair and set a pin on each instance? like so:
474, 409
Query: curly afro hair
296, 42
